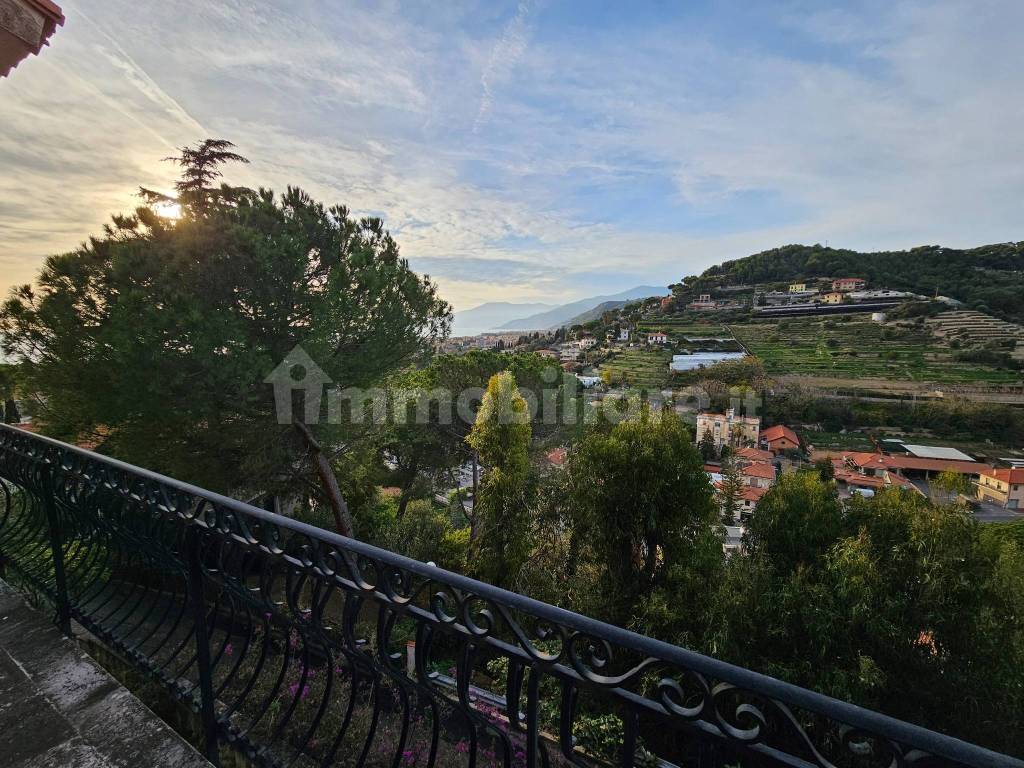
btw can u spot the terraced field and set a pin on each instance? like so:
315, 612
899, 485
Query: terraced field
646, 368
859, 349
682, 326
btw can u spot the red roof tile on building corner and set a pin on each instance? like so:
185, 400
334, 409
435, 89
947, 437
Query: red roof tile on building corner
49, 9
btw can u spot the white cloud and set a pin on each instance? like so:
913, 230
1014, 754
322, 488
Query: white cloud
506, 52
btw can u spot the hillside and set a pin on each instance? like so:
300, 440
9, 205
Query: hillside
595, 313
989, 278
566, 313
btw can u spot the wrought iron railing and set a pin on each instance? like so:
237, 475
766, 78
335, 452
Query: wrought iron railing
297, 646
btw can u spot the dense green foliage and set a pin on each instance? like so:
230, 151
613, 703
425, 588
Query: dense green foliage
989, 278
157, 337
949, 418
9, 413
893, 603
640, 501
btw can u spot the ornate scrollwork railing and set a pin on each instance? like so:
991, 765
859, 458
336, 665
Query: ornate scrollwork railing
300, 647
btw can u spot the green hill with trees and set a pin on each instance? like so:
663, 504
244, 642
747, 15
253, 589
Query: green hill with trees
989, 278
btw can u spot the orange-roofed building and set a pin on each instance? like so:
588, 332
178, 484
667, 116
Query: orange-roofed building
750, 498
780, 438
753, 455
556, 456
1004, 487
874, 463
759, 475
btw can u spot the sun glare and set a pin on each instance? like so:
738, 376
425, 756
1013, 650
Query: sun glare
168, 210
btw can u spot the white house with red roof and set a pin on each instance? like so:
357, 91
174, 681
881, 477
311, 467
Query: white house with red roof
758, 475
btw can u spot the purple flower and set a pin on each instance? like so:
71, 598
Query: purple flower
294, 689
229, 649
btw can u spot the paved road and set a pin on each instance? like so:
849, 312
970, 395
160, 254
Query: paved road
990, 513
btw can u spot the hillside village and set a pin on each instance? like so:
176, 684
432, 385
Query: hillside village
845, 340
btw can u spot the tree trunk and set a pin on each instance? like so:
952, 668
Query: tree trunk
410, 480
476, 484
342, 516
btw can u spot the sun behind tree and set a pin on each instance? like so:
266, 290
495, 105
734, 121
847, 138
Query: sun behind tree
157, 337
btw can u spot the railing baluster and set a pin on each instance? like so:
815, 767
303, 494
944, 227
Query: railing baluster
202, 640
60, 582
532, 718
631, 728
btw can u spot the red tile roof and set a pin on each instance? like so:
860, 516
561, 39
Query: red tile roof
858, 480
556, 456
1006, 475
884, 461
754, 454
759, 470
778, 432
750, 493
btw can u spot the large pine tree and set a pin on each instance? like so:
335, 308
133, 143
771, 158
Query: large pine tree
156, 337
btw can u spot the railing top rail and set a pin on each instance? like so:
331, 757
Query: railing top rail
898, 731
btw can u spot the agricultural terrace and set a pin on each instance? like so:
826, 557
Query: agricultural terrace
637, 367
678, 327
859, 348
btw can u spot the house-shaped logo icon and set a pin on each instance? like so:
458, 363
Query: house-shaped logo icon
298, 371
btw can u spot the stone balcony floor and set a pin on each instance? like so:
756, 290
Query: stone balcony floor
59, 708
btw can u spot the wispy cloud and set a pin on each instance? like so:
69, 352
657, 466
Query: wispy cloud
506, 52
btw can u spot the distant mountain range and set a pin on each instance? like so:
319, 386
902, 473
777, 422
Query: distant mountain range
504, 316
492, 315
596, 312
568, 313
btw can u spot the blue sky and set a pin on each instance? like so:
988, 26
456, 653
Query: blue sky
538, 151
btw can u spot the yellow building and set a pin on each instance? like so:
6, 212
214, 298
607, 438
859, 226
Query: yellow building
832, 297
797, 287
1004, 487
729, 429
